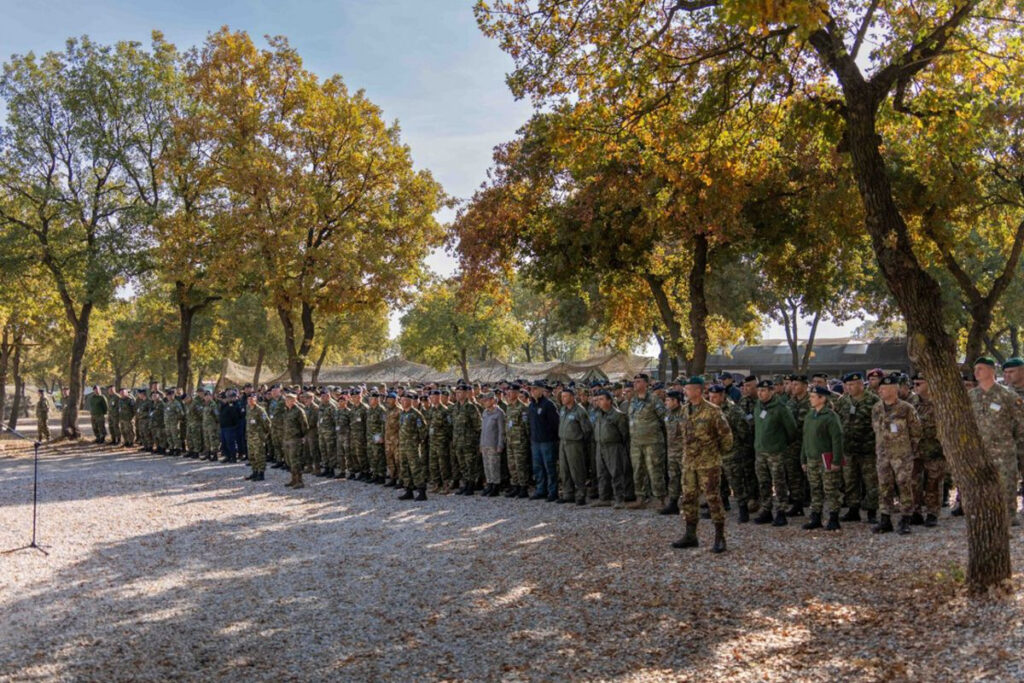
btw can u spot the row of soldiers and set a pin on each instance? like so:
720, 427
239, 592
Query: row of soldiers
775, 446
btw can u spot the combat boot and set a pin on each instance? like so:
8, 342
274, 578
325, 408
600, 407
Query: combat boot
765, 517
931, 520
689, 539
487, 490
524, 492
251, 477
719, 546
814, 523
407, 495
671, 509
291, 482
833, 521
905, 524
705, 512
872, 516
298, 481
259, 476
512, 492
795, 510
853, 514
744, 513
917, 519
421, 494
780, 519
884, 525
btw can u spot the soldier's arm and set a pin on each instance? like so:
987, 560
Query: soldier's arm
835, 431
789, 424
914, 423
724, 433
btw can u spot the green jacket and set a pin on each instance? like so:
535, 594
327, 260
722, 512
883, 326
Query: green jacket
822, 434
97, 405
774, 426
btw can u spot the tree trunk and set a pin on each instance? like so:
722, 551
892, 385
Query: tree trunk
259, 366
698, 317
662, 357
673, 330
526, 351
186, 313
77, 369
297, 351
19, 383
319, 363
463, 364
790, 322
931, 347
5, 356
1014, 340
809, 347
981, 320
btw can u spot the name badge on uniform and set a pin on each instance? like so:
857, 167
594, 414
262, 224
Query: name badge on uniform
252, 422
572, 417
853, 409
995, 406
764, 414
893, 427
748, 417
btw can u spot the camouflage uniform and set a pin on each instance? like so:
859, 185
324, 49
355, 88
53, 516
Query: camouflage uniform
126, 411
143, 409
394, 464
897, 434
376, 419
795, 479
647, 445
114, 417
42, 420
294, 426
774, 431
748, 404
342, 428
931, 471
735, 460
574, 429
674, 449
97, 415
706, 438
174, 414
517, 438
326, 432
822, 433
156, 424
412, 437
466, 441
357, 438
439, 430
311, 441
194, 426
211, 428
257, 436
999, 413
860, 469
611, 439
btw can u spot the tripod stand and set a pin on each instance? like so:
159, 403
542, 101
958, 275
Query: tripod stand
35, 490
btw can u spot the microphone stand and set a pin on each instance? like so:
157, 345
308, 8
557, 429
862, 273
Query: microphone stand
35, 489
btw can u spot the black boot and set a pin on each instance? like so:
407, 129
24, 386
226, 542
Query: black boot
251, 477
689, 539
905, 524
884, 525
795, 510
487, 490
512, 492
421, 494
814, 523
744, 513
917, 519
259, 476
524, 492
957, 511
671, 509
833, 521
705, 513
931, 520
407, 495
872, 516
765, 517
719, 546
853, 514
780, 519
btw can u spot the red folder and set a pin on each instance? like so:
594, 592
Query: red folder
826, 460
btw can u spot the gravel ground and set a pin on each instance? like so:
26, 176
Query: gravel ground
164, 568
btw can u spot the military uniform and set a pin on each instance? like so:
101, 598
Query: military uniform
574, 431
897, 434
174, 414
823, 434
294, 426
737, 459
774, 432
611, 440
466, 441
126, 412
156, 424
343, 430
257, 437
326, 431
647, 445
674, 451
517, 443
311, 441
795, 479
194, 441
706, 437
412, 437
860, 469
114, 418
143, 409
999, 413
439, 429
376, 422
357, 438
211, 428
930, 459
391, 457
42, 419
97, 415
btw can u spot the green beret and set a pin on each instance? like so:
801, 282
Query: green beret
1014, 362
696, 379
986, 360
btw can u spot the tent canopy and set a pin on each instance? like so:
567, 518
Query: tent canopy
834, 356
234, 374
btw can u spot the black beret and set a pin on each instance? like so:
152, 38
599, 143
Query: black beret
820, 390
853, 377
717, 389
677, 395
765, 384
891, 379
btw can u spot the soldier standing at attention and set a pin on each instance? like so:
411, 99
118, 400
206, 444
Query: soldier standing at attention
325, 431
97, 414
358, 435
211, 427
113, 415
294, 426
897, 434
706, 437
734, 461
999, 412
412, 438
543, 443
574, 431
860, 470
517, 440
647, 445
821, 457
774, 431
466, 439
156, 422
674, 448
800, 404
311, 442
42, 418
1013, 374
611, 439
376, 418
174, 413
257, 436
143, 407
933, 463
391, 414
343, 429
126, 410
193, 427
492, 443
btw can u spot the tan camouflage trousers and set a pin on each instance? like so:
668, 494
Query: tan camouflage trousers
702, 480
895, 472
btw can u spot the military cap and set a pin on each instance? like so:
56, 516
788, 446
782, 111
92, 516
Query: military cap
540, 383
374, 394
411, 394
765, 384
750, 378
725, 375
876, 372
819, 375
514, 387
642, 375
853, 377
355, 390
677, 395
800, 378
716, 389
657, 385
1014, 362
325, 391
986, 360
891, 379
820, 390
696, 379
290, 394
487, 395
918, 377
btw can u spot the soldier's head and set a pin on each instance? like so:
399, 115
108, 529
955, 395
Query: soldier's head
407, 399
392, 398
920, 385
674, 398
853, 384
819, 397
435, 397
694, 389
290, 399
889, 389
325, 397
251, 400
488, 400
985, 371
716, 394
603, 400
726, 379
820, 379
567, 397
374, 399
537, 390
798, 386
275, 391
749, 386
875, 376
1013, 371
640, 382
765, 390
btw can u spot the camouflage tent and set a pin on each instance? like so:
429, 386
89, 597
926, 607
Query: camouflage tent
834, 356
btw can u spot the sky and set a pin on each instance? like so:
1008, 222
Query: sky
424, 63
